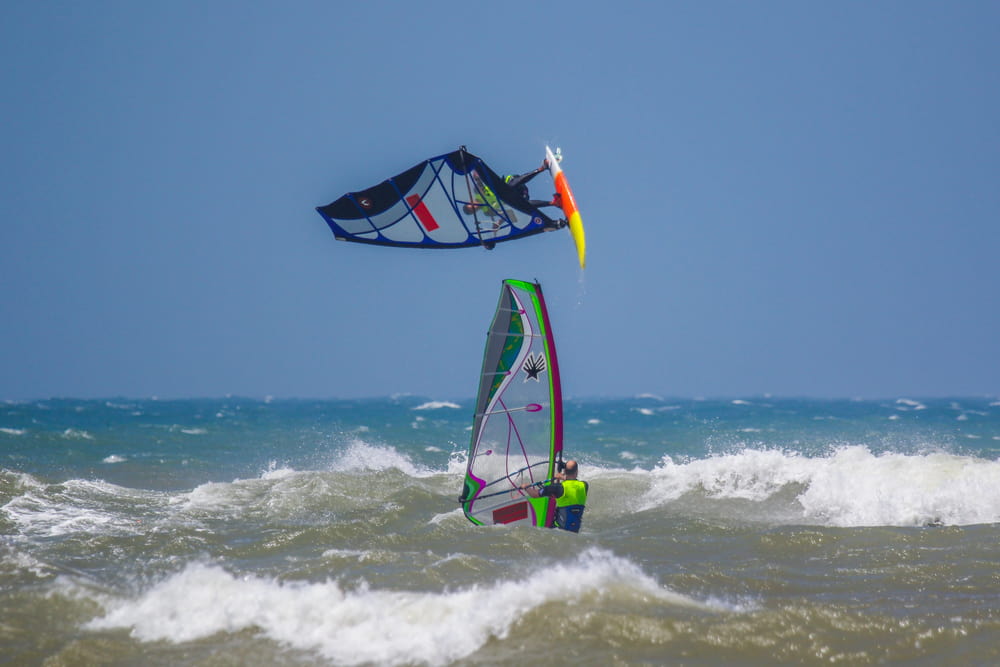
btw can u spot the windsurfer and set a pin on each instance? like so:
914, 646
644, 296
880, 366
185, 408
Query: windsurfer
570, 494
486, 200
519, 182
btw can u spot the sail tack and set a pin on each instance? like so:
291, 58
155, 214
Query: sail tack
449, 201
517, 426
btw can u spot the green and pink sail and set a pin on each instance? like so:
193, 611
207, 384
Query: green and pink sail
517, 429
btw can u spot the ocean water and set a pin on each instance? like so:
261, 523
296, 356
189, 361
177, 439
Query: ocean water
257, 532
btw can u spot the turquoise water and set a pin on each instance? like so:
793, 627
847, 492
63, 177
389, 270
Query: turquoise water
754, 531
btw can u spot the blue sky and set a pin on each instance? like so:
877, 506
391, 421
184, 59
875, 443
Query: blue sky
787, 198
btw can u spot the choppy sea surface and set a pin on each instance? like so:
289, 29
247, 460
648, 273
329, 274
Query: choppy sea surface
258, 532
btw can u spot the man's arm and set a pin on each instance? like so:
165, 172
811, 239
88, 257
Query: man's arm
524, 178
553, 490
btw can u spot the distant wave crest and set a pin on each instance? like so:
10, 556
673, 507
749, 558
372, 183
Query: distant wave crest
850, 487
437, 405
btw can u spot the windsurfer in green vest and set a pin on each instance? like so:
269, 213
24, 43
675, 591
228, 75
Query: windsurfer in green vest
570, 494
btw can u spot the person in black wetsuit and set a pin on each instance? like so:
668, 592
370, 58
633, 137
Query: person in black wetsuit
519, 182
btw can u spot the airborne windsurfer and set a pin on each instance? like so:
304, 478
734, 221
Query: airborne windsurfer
570, 494
519, 183
454, 200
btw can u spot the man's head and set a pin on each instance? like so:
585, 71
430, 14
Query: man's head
571, 469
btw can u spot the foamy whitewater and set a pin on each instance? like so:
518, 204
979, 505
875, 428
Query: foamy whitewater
744, 531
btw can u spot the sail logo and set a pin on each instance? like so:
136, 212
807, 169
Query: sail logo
533, 365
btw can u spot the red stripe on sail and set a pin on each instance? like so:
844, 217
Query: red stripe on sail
423, 213
511, 513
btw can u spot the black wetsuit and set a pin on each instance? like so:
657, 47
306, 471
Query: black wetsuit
519, 182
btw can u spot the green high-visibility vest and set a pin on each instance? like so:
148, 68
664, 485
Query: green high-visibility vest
574, 493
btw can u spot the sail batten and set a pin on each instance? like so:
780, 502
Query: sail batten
517, 424
534, 407
523, 335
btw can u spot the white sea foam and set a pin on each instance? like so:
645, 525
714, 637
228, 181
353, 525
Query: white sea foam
279, 488
360, 455
454, 514
747, 475
76, 434
458, 461
77, 506
114, 458
282, 490
12, 558
850, 487
363, 625
276, 471
13, 431
437, 405
238, 497
652, 411
359, 555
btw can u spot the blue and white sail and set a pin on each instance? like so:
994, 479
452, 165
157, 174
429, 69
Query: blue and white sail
449, 201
